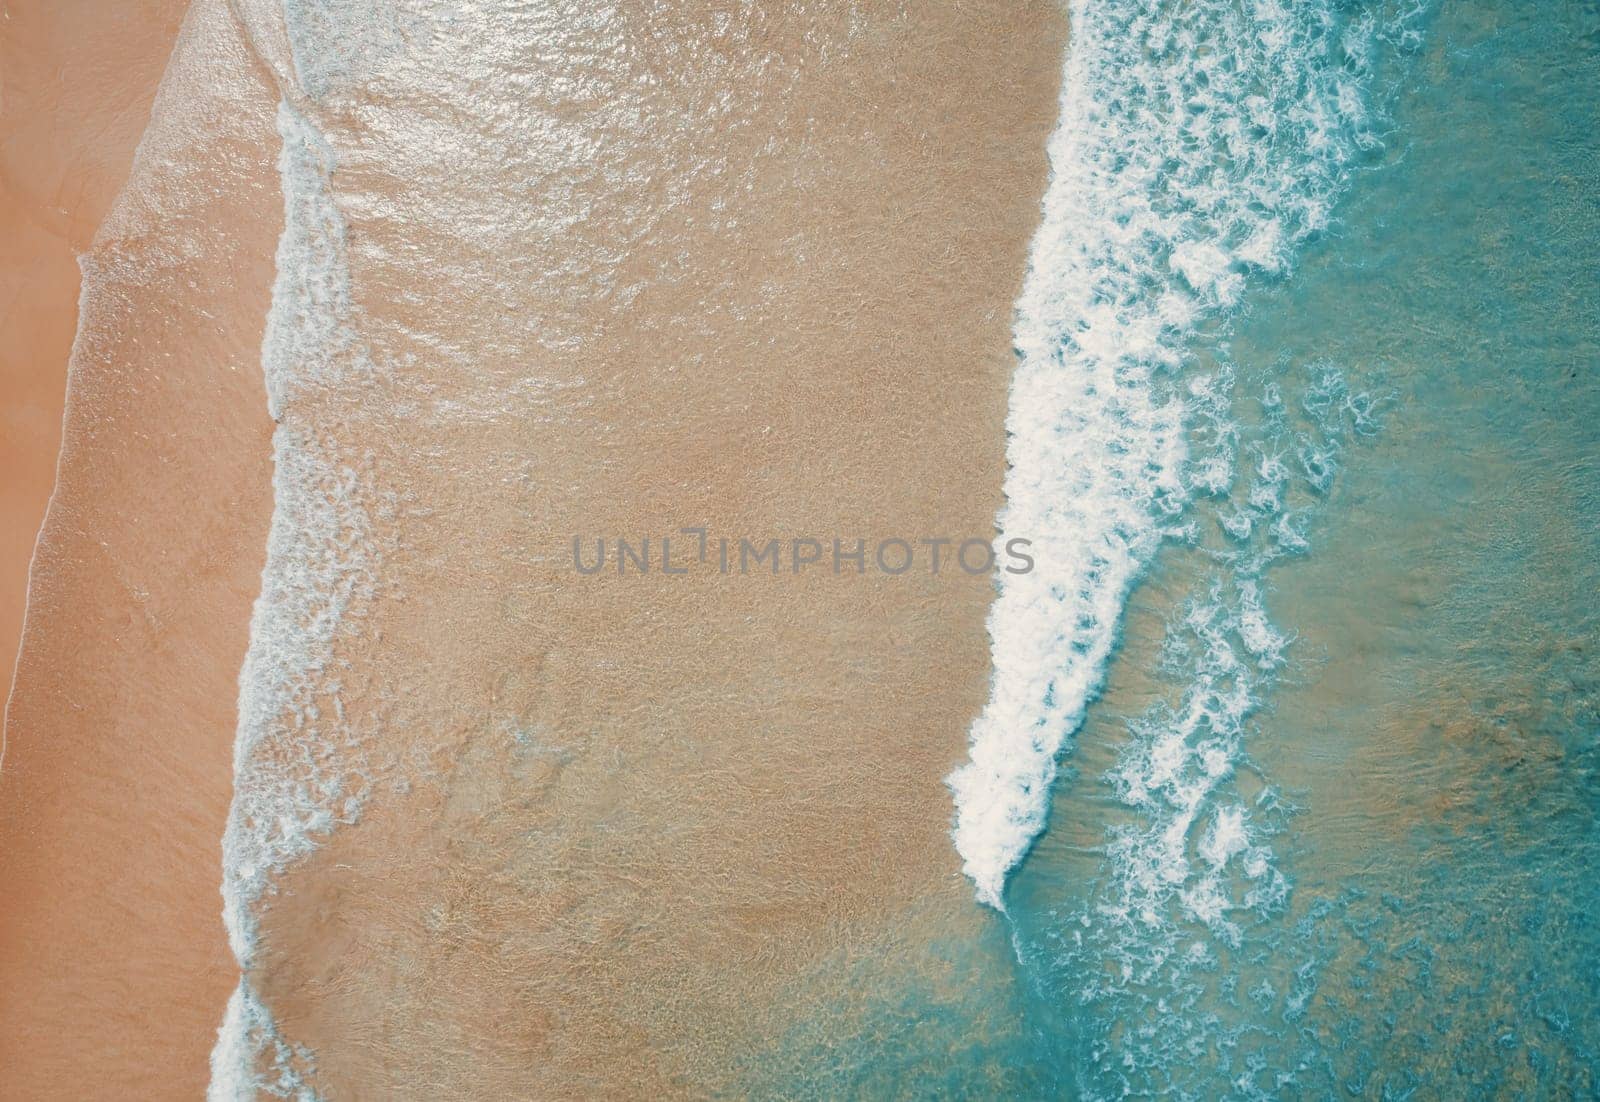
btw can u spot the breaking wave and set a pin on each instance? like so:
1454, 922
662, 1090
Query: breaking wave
1200, 146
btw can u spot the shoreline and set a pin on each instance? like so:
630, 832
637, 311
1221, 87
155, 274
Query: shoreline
582, 815
65, 150
119, 725
748, 778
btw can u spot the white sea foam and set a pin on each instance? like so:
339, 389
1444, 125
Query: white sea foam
292, 756
1199, 142
1176, 762
250, 1058
338, 44
297, 755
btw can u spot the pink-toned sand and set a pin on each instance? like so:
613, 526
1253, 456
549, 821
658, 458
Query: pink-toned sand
115, 783
76, 81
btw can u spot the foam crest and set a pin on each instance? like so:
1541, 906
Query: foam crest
309, 340
251, 1059
1190, 871
1199, 144
298, 757
293, 776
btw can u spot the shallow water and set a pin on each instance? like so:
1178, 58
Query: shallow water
1386, 890
502, 828
1330, 829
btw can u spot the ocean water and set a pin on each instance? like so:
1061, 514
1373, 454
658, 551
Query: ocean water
1287, 782
1198, 145
1327, 831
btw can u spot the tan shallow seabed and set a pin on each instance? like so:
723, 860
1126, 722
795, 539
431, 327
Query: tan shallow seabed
609, 274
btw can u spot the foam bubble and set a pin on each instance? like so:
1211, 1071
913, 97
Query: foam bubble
297, 755
251, 1059
1198, 143
339, 44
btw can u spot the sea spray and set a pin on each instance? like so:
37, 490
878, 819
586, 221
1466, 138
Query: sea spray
1199, 144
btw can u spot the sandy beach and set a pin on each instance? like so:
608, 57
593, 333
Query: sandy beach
77, 82
603, 819
113, 965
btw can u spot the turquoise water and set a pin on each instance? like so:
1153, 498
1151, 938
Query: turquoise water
1421, 768
1329, 830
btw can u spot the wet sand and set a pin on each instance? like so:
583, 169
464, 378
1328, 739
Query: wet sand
610, 825
113, 965
39, 289
608, 821
76, 81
